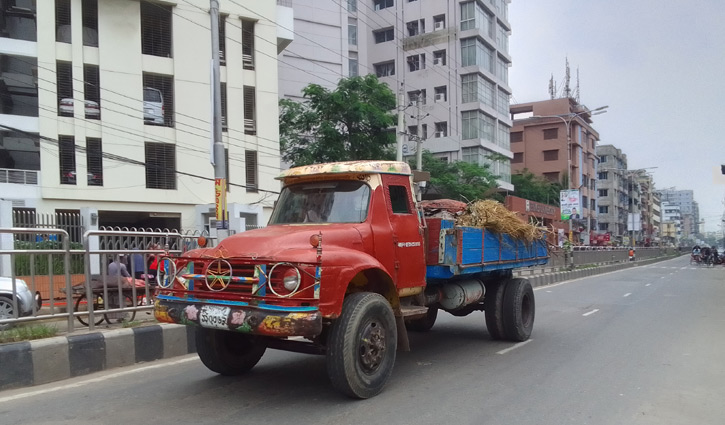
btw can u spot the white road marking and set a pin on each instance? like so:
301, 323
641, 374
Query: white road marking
520, 344
590, 312
104, 377
648, 284
627, 294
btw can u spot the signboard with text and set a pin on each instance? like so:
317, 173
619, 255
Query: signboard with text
220, 195
569, 204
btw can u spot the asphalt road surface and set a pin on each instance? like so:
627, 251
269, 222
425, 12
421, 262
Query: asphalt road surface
639, 346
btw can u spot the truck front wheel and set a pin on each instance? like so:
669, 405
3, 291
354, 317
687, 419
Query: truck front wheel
227, 353
518, 310
361, 345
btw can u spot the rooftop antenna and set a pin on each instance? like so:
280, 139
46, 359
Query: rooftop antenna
576, 91
552, 87
567, 78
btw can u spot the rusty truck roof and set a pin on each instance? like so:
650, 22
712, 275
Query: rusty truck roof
364, 167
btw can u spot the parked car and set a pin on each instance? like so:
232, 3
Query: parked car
92, 108
25, 299
153, 106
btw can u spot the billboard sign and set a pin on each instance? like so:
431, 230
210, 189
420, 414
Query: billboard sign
569, 202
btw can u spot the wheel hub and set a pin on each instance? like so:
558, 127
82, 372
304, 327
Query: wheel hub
372, 347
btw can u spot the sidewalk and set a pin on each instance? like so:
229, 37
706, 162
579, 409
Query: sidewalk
28, 363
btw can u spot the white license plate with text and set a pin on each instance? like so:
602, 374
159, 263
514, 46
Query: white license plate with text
212, 316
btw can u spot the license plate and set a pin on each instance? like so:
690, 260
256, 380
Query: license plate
212, 316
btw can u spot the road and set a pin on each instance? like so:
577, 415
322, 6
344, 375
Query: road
640, 346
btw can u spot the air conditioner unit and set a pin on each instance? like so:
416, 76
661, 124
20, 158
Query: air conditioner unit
436, 61
440, 97
439, 134
438, 25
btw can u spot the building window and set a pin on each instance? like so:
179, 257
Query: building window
473, 16
222, 39
17, 21
160, 165
439, 57
502, 39
604, 226
603, 158
413, 131
593, 204
603, 192
250, 110
92, 92
383, 4
352, 5
416, 62
441, 129
248, 44
225, 120
477, 125
552, 177
19, 152
439, 22
64, 84
90, 23
67, 159
551, 155
551, 133
156, 29
94, 161
502, 70
604, 209
518, 158
424, 131
158, 99
353, 65
475, 88
415, 27
441, 94
62, 21
474, 52
352, 31
604, 175
503, 136
502, 102
399, 200
250, 161
384, 69
517, 136
417, 95
381, 36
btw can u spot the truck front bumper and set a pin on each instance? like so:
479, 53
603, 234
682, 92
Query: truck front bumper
246, 319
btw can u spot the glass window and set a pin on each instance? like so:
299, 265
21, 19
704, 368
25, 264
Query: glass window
439, 57
384, 69
327, 202
551, 133
352, 32
160, 165
441, 129
477, 125
352, 5
156, 29
381, 36
17, 19
383, 4
474, 52
18, 85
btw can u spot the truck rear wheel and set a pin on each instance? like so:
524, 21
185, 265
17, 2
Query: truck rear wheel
518, 310
227, 353
361, 345
493, 308
425, 323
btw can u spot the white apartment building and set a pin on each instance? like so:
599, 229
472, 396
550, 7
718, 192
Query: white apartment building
106, 109
449, 59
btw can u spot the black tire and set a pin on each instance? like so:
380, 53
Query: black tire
82, 305
6, 311
519, 310
120, 317
228, 353
361, 345
425, 323
493, 309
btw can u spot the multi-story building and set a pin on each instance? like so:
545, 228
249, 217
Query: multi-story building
449, 60
613, 192
106, 109
671, 223
689, 210
555, 139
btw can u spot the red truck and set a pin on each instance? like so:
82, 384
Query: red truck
347, 265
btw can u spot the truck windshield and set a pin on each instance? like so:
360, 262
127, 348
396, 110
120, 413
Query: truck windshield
322, 202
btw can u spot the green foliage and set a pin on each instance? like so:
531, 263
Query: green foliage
351, 122
458, 180
535, 188
26, 333
41, 264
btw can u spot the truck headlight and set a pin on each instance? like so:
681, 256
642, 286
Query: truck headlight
291, 282
284, 279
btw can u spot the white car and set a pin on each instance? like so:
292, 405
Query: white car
25, 300
92, 108
153, 106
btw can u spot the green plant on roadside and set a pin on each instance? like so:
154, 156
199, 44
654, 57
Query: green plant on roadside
27, 333
44, 264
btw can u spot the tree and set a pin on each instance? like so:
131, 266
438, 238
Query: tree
535, 188
458, 180
351, 122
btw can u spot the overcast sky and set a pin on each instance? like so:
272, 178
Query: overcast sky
659, 65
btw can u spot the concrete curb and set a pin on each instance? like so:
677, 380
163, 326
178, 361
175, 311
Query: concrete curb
47, 360
42, 361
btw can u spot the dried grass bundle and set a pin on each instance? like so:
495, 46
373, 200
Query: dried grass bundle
493, 216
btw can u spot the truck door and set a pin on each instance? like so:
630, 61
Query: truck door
407, 231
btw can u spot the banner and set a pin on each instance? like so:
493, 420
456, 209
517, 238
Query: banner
569, 204
220, 197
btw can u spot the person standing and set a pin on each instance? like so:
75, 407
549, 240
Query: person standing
117, 267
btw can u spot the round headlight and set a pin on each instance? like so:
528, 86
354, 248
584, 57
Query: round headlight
291, 282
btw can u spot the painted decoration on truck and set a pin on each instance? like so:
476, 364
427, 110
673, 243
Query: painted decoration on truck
366, 167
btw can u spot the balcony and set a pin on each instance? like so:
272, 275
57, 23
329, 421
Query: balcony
26, 177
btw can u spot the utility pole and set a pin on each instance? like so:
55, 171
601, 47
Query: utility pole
401, 123
220, 177
419, 141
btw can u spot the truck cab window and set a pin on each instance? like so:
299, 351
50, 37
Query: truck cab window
399, 199
322, 202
